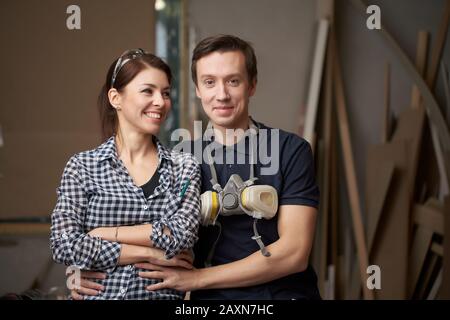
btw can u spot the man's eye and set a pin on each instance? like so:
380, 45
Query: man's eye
208, 82
234, 82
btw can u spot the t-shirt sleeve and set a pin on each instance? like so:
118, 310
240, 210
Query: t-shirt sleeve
299, 182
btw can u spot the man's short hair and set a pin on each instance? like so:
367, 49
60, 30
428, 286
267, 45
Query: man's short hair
225, 43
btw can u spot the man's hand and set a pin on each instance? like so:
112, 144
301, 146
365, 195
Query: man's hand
182, 260
87, 286
173, 278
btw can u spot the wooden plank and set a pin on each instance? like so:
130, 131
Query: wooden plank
350, 173
443, 175
419, 249
410, 127
325, 9
325, 199
331, 278
427, 180
341, 283
446, 88
185, 120
437, 249
390, 250
378, 179
316, 77
429, 218
421, 60
445, 288
386, 131
334, 189
438, 46
433, 263
435, 288
323, 220
327, 158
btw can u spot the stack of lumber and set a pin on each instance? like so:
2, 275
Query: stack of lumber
406, 216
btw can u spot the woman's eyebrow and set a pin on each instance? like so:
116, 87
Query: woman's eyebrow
151, 85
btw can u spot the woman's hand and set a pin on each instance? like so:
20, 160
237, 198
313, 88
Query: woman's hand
182, 260
87, 286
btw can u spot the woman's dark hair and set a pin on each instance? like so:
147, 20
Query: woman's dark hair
225, 43
126, 71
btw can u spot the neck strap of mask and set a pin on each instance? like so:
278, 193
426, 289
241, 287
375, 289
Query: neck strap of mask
252, 132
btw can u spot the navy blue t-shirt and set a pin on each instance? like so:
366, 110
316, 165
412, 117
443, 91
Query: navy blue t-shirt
287, 166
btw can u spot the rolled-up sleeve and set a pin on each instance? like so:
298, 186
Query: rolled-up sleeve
70, 244
185, 221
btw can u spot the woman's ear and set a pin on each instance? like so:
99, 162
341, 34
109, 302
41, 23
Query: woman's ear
114, 98
252, 88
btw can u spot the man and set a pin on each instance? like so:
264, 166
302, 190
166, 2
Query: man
229, 262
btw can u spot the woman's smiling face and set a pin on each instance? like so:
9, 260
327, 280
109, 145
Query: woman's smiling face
144, 102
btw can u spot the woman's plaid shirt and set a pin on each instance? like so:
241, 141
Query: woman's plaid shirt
97, 191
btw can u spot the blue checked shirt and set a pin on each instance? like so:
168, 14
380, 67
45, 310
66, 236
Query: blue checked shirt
97, 191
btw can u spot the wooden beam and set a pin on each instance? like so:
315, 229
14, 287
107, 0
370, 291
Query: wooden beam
436, 285
390, 244
444, 72
419, 249
438, 46
410, 127
429, 217
323, 220
334, 190
316, 77
431, 265
325, 199
437, 248
421, 60
350, 173
378, 179
445, 288
386, 115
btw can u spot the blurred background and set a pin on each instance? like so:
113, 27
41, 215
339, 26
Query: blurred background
365, 82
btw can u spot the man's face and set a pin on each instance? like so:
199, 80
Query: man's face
224, 89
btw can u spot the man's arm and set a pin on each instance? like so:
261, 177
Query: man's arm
289, 254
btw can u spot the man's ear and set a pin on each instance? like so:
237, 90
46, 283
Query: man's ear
114, 98
252, 88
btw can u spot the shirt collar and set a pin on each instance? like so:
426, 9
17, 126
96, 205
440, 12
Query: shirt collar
108, 150
238, 147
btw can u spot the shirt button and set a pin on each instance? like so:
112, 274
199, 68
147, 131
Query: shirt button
122, 291
128, 267
145, 207
64, 236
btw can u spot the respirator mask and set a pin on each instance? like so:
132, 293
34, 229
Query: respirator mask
239, 197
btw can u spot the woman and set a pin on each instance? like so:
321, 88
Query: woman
129, 200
